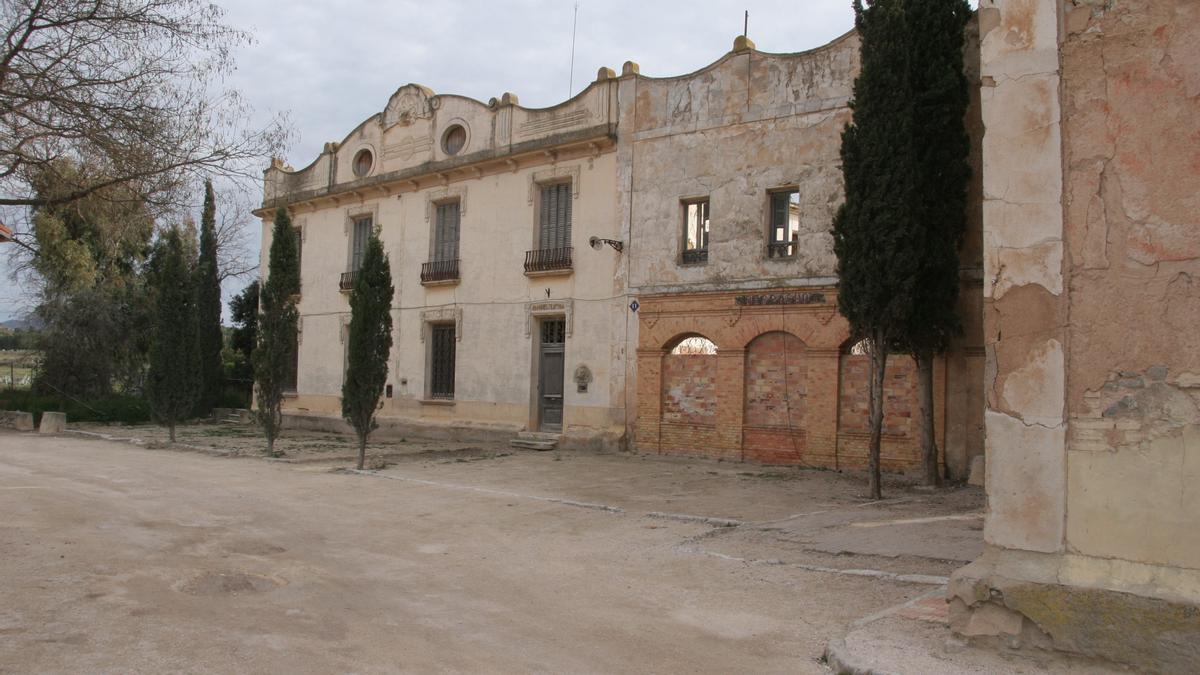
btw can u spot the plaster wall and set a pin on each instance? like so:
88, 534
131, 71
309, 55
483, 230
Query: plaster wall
749, 123
1091, 184
497, 334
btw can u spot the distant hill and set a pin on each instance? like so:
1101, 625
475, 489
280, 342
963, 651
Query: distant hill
30, 322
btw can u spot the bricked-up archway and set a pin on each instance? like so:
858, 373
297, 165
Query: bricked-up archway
900, 444
689, 395
776, 382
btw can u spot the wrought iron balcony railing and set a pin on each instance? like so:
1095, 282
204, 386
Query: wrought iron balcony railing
695, 255
783, 249
439, 270
348, 279
547, 260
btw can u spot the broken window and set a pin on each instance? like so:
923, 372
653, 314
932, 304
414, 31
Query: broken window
695, 231
784, 235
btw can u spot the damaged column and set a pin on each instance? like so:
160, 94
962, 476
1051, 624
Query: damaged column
1091, 250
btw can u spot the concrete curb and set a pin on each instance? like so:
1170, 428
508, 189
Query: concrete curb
838, 660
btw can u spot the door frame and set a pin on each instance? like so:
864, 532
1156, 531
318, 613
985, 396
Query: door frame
539, 397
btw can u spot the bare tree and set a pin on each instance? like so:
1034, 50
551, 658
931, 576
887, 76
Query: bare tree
129, 89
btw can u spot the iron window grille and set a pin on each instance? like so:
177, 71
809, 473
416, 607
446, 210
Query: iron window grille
548, 259
439, 270
441, 362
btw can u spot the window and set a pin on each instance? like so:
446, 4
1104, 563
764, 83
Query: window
695, 231
784, 238
445, 232
441, 361
554, 216
363, 161
361, 232
454, 139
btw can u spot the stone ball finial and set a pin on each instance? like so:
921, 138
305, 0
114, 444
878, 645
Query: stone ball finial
742, 43
508, 98
630, 68
605, 73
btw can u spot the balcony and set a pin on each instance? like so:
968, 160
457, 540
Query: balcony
548, 261
784, 249
347, 283
439, 272
695, 256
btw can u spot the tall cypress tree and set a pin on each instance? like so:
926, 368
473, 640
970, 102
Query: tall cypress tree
941, 170
275, 354
172, 381
369, 343
208, 309
876, 234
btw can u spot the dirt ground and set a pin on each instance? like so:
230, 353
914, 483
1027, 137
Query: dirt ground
243, 440
117, 558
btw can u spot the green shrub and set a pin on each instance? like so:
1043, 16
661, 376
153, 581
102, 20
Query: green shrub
110, 409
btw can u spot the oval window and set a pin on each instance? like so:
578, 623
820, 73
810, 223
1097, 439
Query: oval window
454, 139
362, 163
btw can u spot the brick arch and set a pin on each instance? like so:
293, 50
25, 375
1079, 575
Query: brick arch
775, 398
674, 341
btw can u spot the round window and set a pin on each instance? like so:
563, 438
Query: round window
362, 162
454, 139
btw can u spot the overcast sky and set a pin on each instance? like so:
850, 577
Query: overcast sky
331, 65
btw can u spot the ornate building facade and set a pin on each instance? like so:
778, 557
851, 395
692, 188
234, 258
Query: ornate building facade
646, 266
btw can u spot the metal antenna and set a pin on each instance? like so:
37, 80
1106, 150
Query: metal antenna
571, 80
746, 23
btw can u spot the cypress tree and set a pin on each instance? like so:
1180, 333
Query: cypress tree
172, 379
369, 343
941, 171
277, 324
875, 232
208, 309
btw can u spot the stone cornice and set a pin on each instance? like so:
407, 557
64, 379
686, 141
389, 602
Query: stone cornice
583, 143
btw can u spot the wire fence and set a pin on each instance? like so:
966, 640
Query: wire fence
18, 368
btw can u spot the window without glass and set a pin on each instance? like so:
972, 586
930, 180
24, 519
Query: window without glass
784, 236
441, 361
361, 232
445, 232
554, 216
695, 231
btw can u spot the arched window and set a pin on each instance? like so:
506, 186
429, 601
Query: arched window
695, 344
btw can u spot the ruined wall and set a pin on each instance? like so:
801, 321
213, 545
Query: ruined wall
747, 124
1131, 133
1091, 248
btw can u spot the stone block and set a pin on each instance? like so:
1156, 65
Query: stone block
15, 419
53, 423
977, 475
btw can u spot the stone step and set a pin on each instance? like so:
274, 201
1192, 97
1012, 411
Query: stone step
530, 444
535, 440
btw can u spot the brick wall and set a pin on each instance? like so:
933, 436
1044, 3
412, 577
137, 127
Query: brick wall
773, 393
901, 407
775, 399
689, 388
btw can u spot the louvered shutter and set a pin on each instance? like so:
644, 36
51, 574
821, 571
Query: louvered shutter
555, 220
